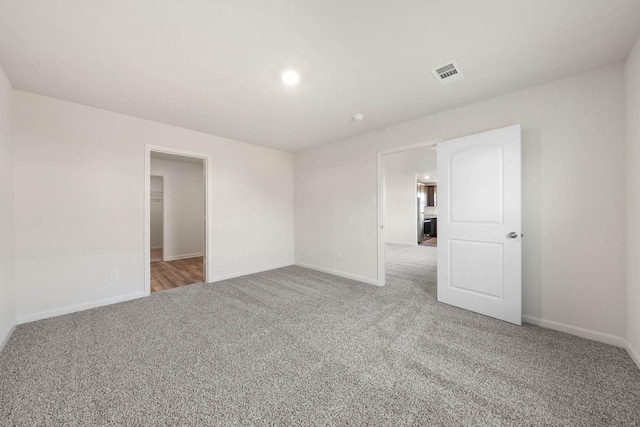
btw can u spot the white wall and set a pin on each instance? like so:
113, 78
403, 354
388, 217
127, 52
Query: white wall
87, 167
632, 74
574, 197
7, 296
184, 207
156, 211
400, 192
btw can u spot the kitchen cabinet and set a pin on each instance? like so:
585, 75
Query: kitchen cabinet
431, 227
431, 195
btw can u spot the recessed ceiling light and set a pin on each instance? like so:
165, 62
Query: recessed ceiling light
358, 117
426, 177
290, 77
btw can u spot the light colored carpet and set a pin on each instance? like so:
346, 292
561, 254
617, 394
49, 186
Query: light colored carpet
298, 347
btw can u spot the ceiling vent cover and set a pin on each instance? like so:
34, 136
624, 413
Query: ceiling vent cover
448, 73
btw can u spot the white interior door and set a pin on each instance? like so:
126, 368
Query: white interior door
479, 223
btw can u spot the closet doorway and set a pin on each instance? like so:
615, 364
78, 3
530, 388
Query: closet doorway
176, 200
157, 217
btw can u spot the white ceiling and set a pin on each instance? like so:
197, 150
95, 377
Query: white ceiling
433, 177
214, 66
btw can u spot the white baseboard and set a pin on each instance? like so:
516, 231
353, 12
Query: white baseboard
246, 272
635, 355
402, 243
5, 339
185, 256
79, 307
574, 330
340, 273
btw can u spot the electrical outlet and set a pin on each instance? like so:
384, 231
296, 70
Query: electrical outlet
339, 256
113, 275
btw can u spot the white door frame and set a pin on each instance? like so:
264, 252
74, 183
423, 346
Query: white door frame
381, 201
207, 162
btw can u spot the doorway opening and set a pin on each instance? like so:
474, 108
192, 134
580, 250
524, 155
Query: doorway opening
427, 200
156, 200
478, 262
407, 182
176, 211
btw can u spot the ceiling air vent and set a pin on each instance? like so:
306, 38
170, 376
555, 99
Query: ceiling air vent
448, 73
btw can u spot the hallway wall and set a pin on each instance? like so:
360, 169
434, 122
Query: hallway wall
184, 207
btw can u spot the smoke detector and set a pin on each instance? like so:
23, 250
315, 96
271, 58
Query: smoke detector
448, 73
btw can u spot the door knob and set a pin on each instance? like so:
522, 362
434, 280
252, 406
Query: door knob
513, 235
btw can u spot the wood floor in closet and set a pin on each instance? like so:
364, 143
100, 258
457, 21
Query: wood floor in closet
174, 274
